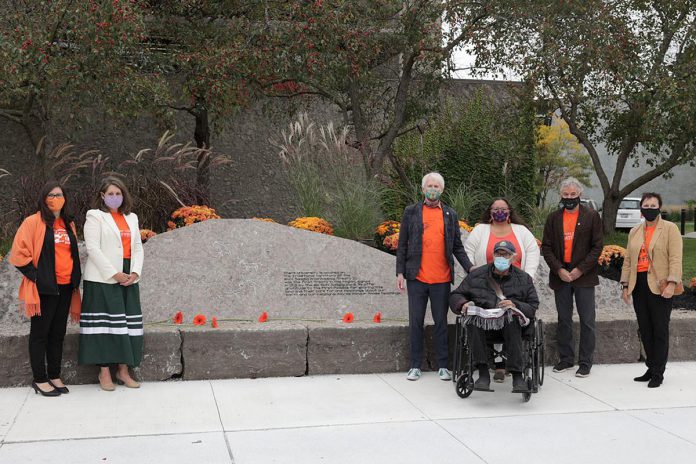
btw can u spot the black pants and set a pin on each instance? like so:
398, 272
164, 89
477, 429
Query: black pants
653, 313
47, 333
512, 335
418, 295
585, 303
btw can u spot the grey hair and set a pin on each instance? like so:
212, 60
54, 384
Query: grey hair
436, 175
571, 182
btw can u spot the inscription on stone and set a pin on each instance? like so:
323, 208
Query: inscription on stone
329, 284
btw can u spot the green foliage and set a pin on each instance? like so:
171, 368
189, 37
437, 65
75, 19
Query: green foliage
467, 201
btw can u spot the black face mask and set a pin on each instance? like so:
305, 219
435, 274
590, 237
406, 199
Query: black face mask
650, 214
570, 203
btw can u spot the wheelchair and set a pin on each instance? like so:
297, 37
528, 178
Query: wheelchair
533, 353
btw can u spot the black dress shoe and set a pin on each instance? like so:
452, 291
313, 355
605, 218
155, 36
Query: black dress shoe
62, 390
655, 381
36, 388
643, 378
519, 385
483, 383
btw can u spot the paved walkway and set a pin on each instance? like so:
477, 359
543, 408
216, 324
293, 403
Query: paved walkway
606, 418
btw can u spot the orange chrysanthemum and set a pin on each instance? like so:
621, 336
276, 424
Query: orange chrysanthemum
391, 242
465, 226
146, 234
263, 317
214, 323
348, 318
178, 317
611, 253
264, 220
378, 317
314, 224
187, 215
199, 319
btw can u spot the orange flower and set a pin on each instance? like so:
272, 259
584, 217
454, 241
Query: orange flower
465, 226
214, 323
538, 243
378, 317
199, 319
391, 242
314, 224
263, 317
178, 317
146, 234
348, 318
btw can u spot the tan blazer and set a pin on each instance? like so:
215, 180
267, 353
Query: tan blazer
665, 252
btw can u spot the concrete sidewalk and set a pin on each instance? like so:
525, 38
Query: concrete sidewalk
378, 418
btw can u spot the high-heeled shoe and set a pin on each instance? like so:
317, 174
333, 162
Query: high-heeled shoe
644, 378
44, 393
63, 390
130, 383
106, 386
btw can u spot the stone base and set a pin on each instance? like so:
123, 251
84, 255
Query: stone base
273, 349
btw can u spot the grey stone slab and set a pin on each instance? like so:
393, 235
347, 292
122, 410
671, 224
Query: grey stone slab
357, 348
682, 336
245, 350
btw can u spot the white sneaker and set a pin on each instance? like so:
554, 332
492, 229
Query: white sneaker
413, 374
444, 374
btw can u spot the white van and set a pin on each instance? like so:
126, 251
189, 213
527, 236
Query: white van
628, 214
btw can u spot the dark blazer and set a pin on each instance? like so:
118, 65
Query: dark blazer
45, 273
410, 249
587, 246
517, 286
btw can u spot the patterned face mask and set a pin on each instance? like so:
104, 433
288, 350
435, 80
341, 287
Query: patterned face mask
433, 194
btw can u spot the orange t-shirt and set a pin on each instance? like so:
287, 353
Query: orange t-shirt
125, 233
64, 260
434, 268
570, 220
643, 262
493, 239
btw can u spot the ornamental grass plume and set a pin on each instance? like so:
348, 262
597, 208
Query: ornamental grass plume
263, 317
348, 318
199, 319
178, 317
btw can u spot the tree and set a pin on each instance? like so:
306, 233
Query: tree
379, 62
559, 155
63, 56
621, 74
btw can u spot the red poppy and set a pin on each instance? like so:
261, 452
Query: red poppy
178, 317
214, 323
348, 318
199, 319
263, 317
378, 317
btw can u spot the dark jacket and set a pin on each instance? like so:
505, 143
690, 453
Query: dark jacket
517, 286
410, 249
45, 274
587, 246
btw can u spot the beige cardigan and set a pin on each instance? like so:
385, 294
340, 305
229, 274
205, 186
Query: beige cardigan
665, 252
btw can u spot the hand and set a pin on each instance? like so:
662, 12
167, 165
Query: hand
131, 279
625, 296
575, 274
466, 305
506, 304
400, 282
564, 275
120, 277
669, 290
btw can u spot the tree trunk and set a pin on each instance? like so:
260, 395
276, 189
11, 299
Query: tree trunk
610, 206
202, 137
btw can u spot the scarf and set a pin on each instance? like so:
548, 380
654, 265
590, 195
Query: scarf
493, 319
26, 248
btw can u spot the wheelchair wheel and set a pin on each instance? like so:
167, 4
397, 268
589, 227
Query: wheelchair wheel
528, 396
464, 385
540, 352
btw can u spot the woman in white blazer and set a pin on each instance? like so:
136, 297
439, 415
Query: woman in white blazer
111, 323
500, 222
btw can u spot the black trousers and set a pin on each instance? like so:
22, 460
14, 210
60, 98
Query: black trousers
418, 295
47, 333
585, 304
653, 313
512, 334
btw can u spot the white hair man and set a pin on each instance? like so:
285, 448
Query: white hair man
429, 240
571, 245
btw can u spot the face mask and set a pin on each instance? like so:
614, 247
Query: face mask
500, 216
55, 204
113, 201
650, 214
501, 264
432, 194
570, 203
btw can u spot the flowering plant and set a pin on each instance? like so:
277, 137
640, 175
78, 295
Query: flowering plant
146, 234
465, 226
314, 224
348, 318
199, 319
610, 261
385, 235
264, 220
187, 215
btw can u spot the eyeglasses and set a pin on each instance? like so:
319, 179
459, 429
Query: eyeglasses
54, 195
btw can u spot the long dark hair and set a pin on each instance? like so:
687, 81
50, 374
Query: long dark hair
127, 205
514, 217
46, 213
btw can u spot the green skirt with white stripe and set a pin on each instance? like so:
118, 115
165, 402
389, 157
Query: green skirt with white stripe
111, 323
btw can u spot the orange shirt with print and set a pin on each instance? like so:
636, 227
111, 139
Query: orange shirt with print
125, 233
570, 220
493, 239
63, 255
434, 268
643, 261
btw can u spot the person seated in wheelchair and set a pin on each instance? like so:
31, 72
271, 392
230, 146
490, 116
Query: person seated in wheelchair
504, 287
